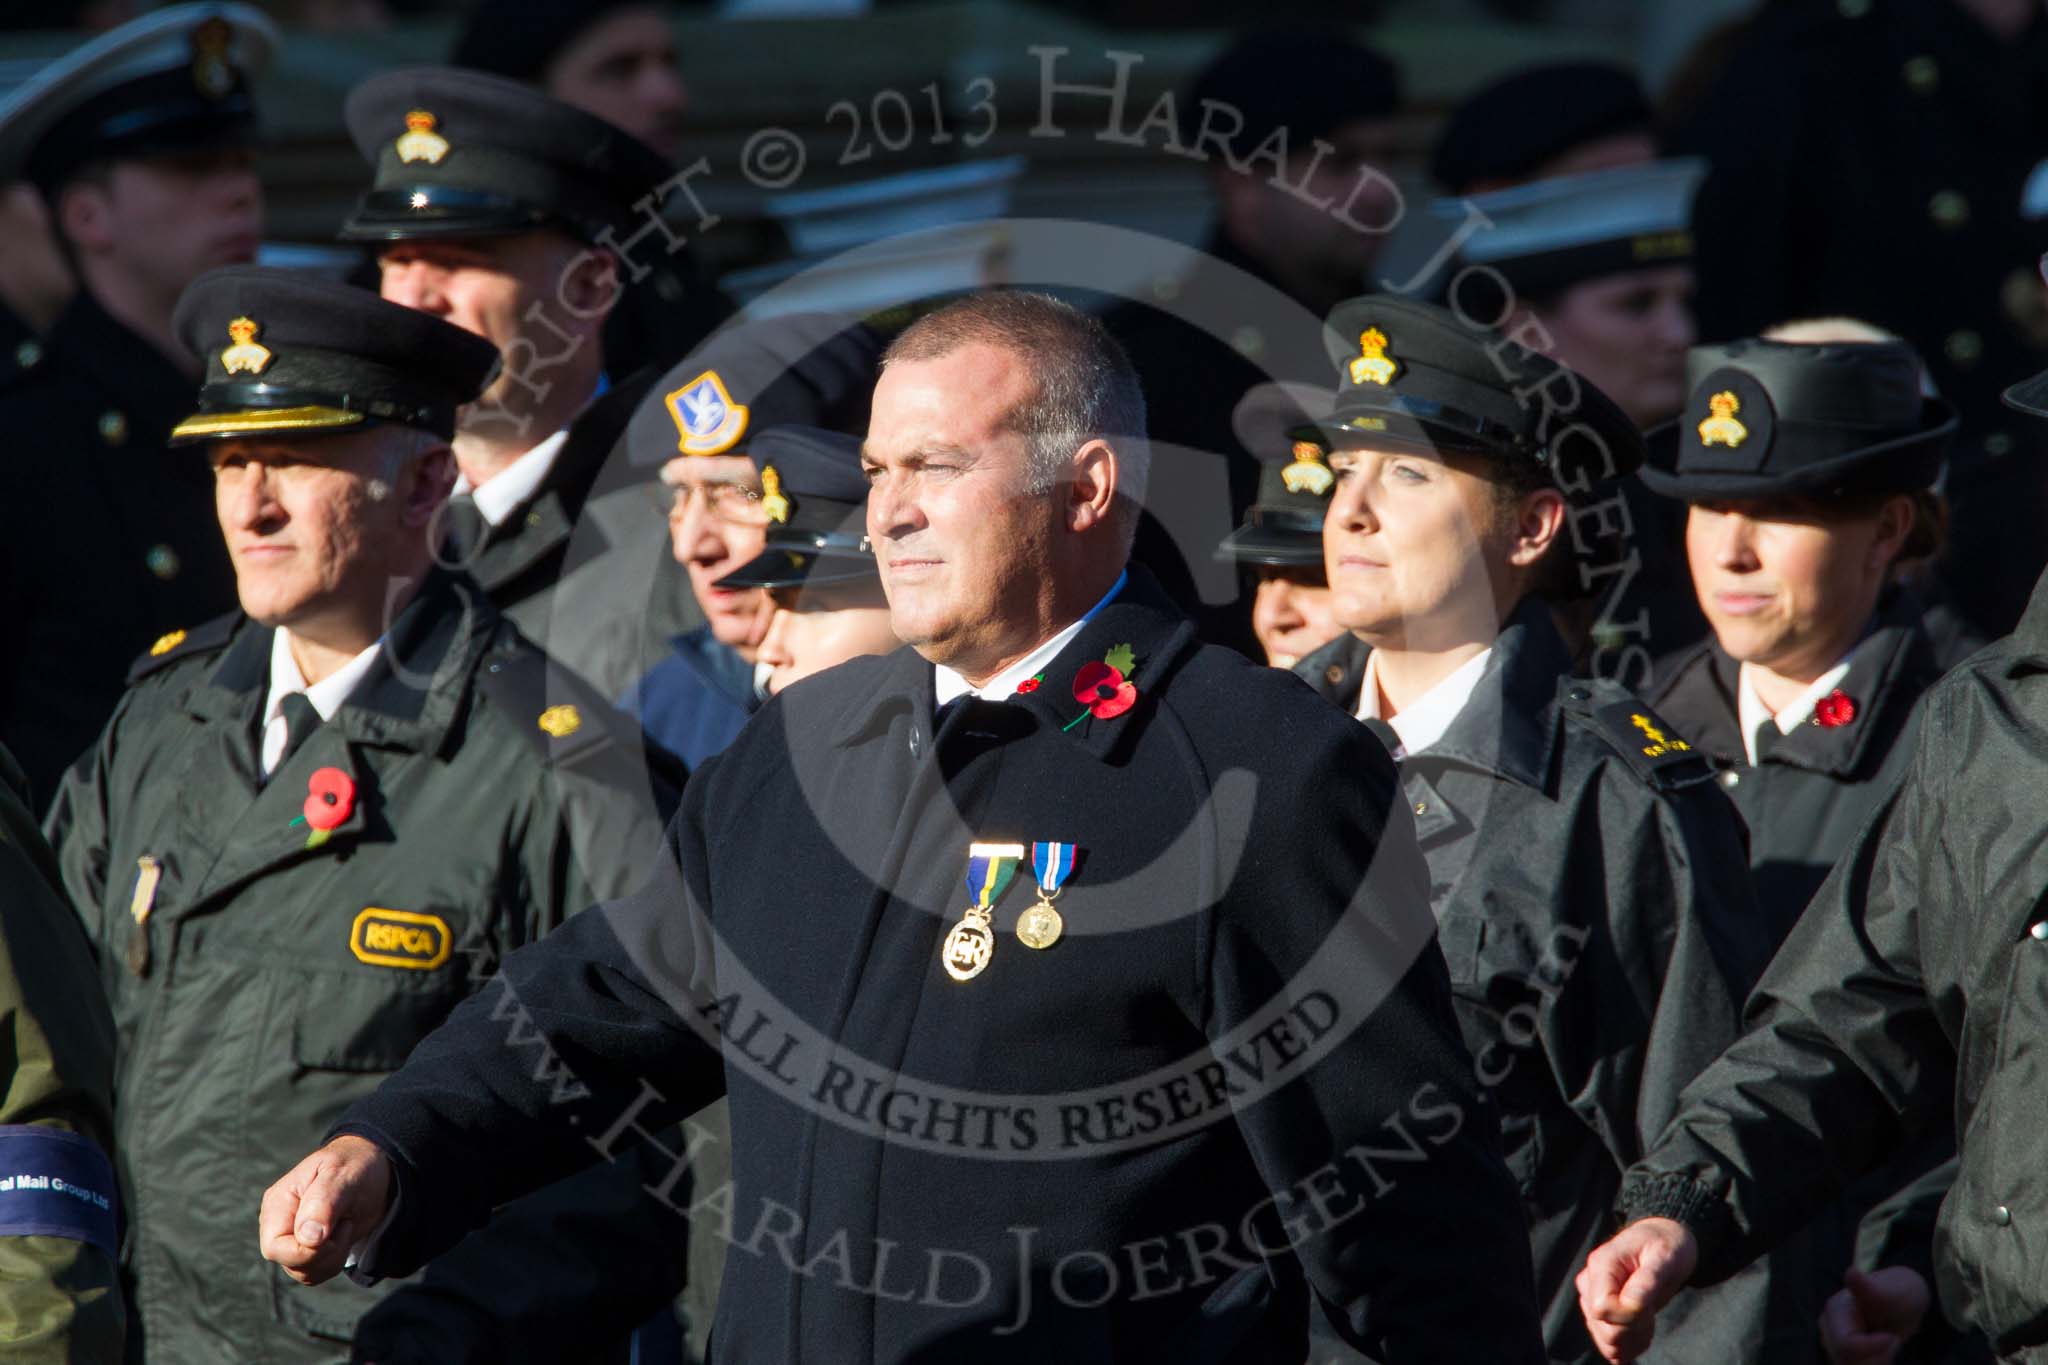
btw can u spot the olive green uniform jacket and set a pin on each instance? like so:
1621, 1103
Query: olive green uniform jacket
261, 979
62, 1298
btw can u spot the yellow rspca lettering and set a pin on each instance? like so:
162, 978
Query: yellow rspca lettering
399, 938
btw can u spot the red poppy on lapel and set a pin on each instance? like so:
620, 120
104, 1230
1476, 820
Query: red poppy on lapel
1836, 708
330, 798
1104, 691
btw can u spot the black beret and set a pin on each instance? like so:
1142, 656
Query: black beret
1511, 128
816, 497
518, 38
1779, 418
1412, 372
291, 352
172, 81
801, 369
1284, 524
464, 154
1310, 82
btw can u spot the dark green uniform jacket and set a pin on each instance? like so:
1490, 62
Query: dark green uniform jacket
108, 538
62, 1299
1123, 1147
1813, 790
1916, 981
518, 560
582, 566
259, 985
1805, 802
1601, 936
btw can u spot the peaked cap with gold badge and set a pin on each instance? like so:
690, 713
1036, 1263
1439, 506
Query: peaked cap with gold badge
1774, 418
290, 352
1416, 374
464, 154
816, 498
1284, 524
175, 80
1551, 234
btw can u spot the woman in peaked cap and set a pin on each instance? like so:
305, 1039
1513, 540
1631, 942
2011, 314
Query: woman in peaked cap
1579, 853
1279, 544
1807, 473
1808, 470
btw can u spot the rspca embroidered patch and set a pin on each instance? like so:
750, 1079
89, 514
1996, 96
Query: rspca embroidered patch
400, 938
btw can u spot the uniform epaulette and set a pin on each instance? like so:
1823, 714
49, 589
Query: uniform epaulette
1658, 754
564, 725
180, 645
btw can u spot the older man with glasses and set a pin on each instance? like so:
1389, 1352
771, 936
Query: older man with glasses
807, 370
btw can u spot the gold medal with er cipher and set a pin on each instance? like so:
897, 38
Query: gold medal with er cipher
969, 947
972, 942
1041, 926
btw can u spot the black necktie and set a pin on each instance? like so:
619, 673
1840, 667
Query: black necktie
1384, 733
466, 527
300, 720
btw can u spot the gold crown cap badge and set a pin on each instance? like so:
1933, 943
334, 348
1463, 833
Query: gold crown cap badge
244, 356
419, 141
1720, 427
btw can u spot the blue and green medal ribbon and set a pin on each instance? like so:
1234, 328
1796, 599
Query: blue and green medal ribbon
989, 870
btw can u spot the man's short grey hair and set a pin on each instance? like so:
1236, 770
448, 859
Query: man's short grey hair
1084, 387
401, 446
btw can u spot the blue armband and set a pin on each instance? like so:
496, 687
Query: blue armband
56, 1183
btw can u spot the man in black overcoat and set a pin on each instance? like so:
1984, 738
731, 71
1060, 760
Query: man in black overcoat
1204, 1068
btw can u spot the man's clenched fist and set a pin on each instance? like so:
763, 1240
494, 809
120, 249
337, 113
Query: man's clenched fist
323, 1206
1872, 1317
1629, 1278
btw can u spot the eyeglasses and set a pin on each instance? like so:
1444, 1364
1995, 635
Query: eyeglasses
735, 504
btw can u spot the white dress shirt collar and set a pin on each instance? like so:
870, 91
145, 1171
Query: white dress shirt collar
327, 695
501, 494
948, 685
1752, 714
1423, 721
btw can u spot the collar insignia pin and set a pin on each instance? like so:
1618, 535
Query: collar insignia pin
773, 501
560, 721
